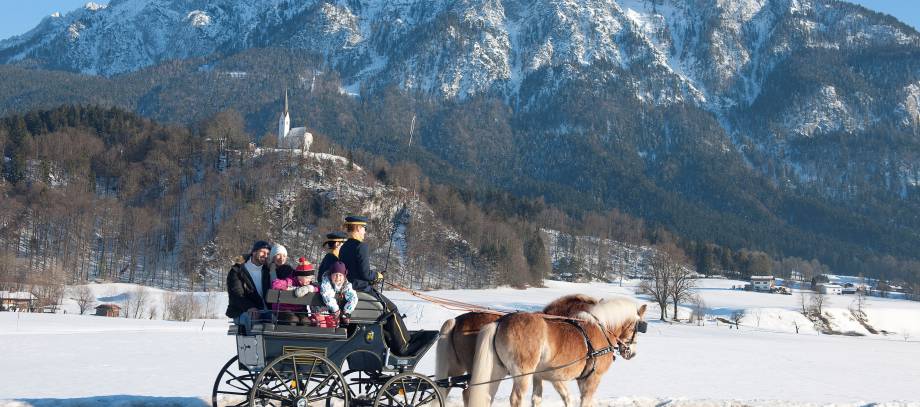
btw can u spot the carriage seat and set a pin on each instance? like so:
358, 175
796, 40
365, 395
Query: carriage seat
419, 343
368, 310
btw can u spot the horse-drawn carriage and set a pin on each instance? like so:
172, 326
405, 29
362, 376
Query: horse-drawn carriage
289, 365
282, 365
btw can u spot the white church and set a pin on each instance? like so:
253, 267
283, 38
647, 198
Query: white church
297, 138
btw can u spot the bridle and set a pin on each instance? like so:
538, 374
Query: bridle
624, 347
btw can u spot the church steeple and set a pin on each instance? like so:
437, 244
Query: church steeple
284, 122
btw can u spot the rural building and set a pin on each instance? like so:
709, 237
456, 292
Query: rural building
108, 310
849, 289
297, 138
17, 301
762, 283
830, 289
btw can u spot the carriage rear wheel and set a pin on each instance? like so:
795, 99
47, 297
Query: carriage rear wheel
232, 386
299, 379
409, 389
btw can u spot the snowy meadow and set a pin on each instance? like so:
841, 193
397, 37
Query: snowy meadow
74, 360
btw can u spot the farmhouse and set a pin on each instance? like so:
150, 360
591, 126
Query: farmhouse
108, 310
17, 301
762, 283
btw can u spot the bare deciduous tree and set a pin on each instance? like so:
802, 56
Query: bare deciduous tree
683, 280
181, 306
137, 302
757, 314
84, 297
737, 316
817, 304
667, 261
699, 309
858, 307
803, 302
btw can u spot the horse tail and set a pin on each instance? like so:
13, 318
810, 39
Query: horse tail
445, 352
487, 368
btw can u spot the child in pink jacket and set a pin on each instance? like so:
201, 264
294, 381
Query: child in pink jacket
301, 282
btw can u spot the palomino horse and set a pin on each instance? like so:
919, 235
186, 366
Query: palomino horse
457, 343
526, 344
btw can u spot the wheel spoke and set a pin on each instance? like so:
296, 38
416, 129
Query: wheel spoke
296, 377
273, 396
415, 393
283, 381
318, 386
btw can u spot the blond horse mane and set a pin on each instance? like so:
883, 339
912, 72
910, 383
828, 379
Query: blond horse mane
613, 312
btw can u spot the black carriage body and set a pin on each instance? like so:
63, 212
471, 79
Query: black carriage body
278, 360
361, 343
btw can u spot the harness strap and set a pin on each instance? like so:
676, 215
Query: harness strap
610, 347
590, 353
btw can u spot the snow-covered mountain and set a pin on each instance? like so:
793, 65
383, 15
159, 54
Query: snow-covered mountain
777, 112
713, 52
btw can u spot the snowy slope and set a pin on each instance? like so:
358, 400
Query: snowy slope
108, 362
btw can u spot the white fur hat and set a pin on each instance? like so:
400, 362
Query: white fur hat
277, 248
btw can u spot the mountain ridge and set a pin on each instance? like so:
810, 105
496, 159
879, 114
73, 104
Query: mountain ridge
785, 114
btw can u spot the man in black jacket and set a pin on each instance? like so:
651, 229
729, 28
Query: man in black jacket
355, 254
248, 281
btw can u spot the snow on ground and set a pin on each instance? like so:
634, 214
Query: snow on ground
74, 360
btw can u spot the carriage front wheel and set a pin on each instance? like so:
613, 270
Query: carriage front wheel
299, 379
232, 386
409, 389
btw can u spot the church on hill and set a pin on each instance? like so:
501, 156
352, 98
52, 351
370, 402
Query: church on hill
297, 138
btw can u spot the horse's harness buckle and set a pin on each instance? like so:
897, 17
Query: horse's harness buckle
601, 352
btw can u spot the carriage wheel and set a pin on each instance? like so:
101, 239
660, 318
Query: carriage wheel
231, 388
409, 389
299, 379
362, 385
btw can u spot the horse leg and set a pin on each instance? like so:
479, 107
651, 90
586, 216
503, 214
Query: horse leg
564, 392
588, 387
537, 397
521, 385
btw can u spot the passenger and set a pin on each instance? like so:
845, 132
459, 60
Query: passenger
248, 280
355, 254
338, 294
332, 244
278, 257
300, 281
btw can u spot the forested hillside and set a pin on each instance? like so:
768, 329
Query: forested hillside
102, 194
787, 129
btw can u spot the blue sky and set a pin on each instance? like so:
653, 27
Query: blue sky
20, 16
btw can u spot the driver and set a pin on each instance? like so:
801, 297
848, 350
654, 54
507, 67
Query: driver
355, 254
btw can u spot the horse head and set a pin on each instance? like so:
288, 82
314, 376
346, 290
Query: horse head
622, 319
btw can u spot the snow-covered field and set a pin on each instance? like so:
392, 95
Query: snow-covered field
73, 360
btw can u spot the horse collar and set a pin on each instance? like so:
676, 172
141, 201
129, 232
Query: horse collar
591, 354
